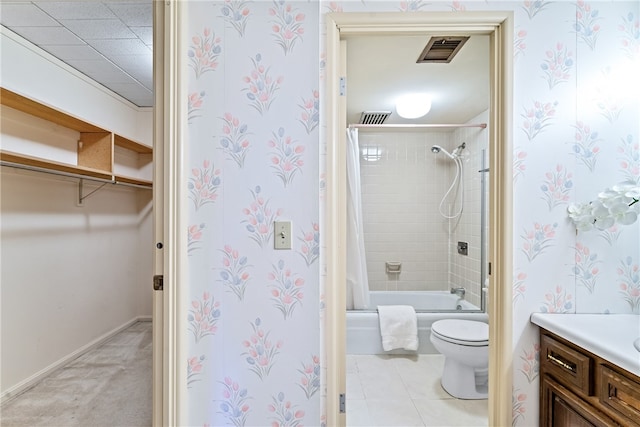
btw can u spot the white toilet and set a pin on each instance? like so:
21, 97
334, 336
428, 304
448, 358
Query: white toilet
465, 346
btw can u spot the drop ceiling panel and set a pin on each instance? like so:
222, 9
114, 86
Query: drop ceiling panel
48, 35
75, 10
70, 52
25, 14
133, 14
120, 47
144, 33
96, 29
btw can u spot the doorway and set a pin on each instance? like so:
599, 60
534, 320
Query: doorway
498, 26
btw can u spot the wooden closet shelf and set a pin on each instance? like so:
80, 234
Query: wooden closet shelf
36, 162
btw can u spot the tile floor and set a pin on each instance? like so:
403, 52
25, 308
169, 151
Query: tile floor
405, 390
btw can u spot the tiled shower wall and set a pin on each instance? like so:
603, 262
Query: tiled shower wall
403, 183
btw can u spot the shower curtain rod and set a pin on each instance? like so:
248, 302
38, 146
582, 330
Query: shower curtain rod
417, 126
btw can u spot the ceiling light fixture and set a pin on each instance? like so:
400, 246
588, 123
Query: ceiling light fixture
413, 105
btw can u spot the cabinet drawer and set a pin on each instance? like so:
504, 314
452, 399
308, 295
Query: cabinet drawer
567, 365
619, 393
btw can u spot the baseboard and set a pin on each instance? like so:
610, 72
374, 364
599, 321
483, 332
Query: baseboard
28, 383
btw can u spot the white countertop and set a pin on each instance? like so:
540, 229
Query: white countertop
609, 336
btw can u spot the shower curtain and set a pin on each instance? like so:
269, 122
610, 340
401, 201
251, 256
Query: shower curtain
357, 280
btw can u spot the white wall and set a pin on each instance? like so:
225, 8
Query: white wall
69, 275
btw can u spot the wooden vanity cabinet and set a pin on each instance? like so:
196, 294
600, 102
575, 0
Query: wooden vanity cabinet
580, 389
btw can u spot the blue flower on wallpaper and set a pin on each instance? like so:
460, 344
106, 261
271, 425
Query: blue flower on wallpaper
629, 283
234, 274
234, 141
412, 5
310, 249
260, 218
261, 351
287, 24
234, 405
586, 26
286, 289
194, 237
203, 316
204, 52
203, 184
284, 412
585, 147
629, 151
261, 87
236, 13
630, 29
538, 117
536, 240
310, 377
286, 159
194, 369
586, 269
194, 105
556, 187
533, 7
557, 66
558, 301
310, 115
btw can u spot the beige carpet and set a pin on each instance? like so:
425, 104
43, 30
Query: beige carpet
108, 386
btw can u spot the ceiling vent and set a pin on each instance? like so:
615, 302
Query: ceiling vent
441, 49
374, 117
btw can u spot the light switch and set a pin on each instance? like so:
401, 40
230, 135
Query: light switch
282, 233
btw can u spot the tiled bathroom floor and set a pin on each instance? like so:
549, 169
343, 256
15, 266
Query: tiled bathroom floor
405, 390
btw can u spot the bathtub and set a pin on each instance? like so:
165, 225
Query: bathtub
363, 327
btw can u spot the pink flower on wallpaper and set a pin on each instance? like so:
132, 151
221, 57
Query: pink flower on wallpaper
556, 187
457, 6
519, 288
629, 151
538, 117
260, 218
261, 351
234, 273
194, 105
630, 38
611, 234
286, 157
335, 6
310, 115
284, 412
286, 289
585, 145
194, 237
556, 68
234, 140
536, 240
518, 164
236, 13
586, 25
203, 316
586, 269
194, 369
234, 404
530, 367
629, 282
203, 52
519, 45
287, 24
261, 87
412, 5
533, 7
518, 402
310, 249
203, 184
310, 376
558, 301
609, 103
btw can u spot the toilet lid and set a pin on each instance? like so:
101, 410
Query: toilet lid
465, 332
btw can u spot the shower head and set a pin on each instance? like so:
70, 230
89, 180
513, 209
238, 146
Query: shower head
436, 149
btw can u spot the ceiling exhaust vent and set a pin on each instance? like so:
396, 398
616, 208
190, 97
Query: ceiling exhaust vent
374, 117
441, 49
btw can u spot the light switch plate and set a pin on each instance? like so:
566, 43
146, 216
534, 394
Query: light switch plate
282, 234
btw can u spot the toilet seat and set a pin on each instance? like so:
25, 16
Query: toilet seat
462, 332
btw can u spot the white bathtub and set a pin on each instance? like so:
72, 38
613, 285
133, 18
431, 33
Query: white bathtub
363, 326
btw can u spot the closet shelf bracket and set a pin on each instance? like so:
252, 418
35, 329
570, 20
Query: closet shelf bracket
81, 197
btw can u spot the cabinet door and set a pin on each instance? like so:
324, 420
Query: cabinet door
559, 407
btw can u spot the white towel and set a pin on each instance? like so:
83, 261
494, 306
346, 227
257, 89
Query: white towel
398, 327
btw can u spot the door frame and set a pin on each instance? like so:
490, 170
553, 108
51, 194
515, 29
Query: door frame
499, 26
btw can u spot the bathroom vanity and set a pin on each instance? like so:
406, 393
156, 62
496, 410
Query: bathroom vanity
589, 369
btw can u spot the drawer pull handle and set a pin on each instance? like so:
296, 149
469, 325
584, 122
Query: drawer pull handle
560, 362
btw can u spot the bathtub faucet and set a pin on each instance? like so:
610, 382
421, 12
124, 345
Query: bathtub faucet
458, 291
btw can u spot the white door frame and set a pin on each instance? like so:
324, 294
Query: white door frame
169, 216
499, 26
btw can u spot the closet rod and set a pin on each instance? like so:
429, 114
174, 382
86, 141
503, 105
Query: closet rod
70, 175
417, 126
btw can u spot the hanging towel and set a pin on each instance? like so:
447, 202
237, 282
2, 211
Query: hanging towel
398, 327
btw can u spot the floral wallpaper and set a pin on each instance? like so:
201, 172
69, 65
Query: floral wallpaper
255, 154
